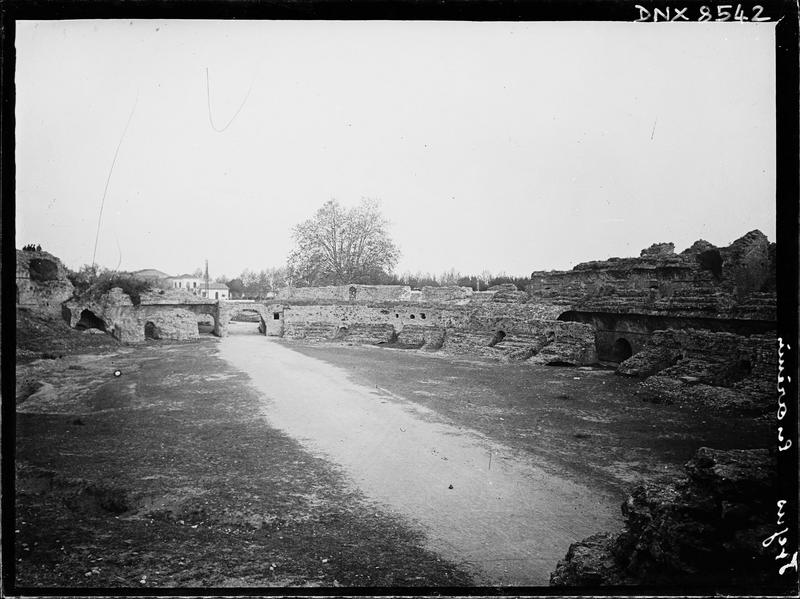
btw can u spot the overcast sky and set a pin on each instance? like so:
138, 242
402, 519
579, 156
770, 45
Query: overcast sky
501, 146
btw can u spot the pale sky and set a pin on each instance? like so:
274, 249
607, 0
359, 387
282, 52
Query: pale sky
501, 146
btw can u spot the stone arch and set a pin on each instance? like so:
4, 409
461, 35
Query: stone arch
211, 310
621, 350
341, 333
255, 313
90, 320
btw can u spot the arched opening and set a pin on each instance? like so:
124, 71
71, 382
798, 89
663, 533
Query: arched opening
89, 320
246, 315
621, 350
205, 323
353, 291
250, 316
341, 333
151, 331
498, 337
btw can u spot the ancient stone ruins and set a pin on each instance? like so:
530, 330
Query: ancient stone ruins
697, 327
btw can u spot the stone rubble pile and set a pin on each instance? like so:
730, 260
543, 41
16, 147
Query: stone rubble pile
705, 530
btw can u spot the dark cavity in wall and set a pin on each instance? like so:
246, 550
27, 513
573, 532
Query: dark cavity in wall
622, 350
498, 337
89, 320
43, 270
711, 260
150, 331
205, 323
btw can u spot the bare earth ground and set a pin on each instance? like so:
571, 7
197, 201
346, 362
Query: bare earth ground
582, 423
509, 519
170, 475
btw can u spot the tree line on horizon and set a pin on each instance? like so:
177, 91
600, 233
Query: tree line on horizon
336, 246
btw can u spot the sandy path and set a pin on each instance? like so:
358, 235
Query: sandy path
506, 518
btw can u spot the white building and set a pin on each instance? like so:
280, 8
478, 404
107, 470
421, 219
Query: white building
197, 286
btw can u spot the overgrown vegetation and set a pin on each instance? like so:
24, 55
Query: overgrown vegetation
93, 281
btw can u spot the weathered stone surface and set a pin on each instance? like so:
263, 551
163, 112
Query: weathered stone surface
658, 250
705, 529
590, 562
706, 370
115, 313
345, 293
736, 282
175, 323
702, 397
445, 294
41, 282
649, 361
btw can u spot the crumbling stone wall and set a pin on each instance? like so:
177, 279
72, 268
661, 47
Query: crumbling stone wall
706, 529
345, 293
508, 331
445, 294
41, 282
375, 323
707, 370
703, 281
637, 329
170, 314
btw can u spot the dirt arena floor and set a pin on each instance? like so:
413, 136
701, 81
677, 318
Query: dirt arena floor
253, 462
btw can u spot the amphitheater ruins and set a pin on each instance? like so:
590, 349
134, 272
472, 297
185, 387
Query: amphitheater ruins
696, 327
698, 322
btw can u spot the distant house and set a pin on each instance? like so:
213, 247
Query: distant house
197, 286
215, 291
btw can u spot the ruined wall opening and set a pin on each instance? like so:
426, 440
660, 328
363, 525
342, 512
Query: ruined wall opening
621, 350
251, 315
341, 333
43, 270
276, 316
205, 323
711, 260
498, 337
151, 331
89, 320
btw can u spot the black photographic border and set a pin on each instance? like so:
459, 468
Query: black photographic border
787, 237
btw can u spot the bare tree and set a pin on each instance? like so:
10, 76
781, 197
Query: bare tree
340, 245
